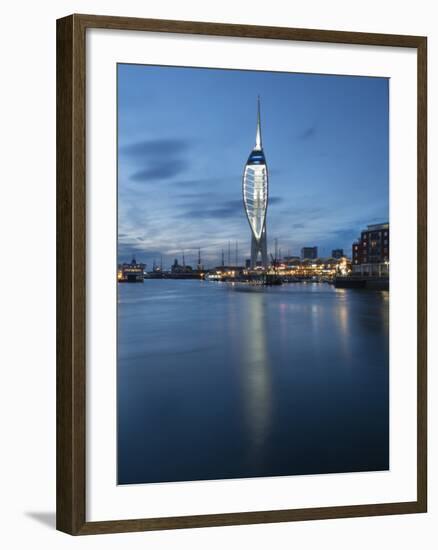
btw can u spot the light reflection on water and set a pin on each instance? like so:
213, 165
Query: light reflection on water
256, 370
220, 381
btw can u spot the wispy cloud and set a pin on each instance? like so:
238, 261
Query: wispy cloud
160, 170
206, 181
154, 148
308, 132
201, 210
155, 161
275, 200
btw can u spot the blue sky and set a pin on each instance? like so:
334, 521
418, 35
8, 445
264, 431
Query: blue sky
184, 136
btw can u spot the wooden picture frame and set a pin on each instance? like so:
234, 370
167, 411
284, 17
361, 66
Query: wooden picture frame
71, 274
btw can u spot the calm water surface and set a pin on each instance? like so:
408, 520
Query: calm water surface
220, 381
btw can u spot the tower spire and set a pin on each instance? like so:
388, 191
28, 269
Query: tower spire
255, 196
258, 144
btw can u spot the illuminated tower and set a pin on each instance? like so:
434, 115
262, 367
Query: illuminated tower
255, 196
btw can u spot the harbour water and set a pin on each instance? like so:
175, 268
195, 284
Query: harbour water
219, 381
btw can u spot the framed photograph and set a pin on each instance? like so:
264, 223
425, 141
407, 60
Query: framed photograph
241, 274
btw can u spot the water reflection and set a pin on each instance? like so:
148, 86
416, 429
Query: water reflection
256, 374
343, 327
222, 382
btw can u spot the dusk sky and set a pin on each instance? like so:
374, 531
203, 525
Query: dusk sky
184, 136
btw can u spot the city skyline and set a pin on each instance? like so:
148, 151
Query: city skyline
183, 137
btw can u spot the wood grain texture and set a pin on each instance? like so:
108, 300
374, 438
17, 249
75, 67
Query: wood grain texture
71, 265
422, 274
71, 270
248, 31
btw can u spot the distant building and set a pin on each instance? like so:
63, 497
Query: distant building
338, 253
370, 253
200, 265
291, 258
156, 268
309, 253
131, 273
178, 268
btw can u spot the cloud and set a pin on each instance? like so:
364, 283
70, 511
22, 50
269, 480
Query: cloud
126, 252
304, 213
225, 209
203, 182
159, 170
275, 200
194, 195
308, 133
154, 148
346, 233
199, 209
155, 161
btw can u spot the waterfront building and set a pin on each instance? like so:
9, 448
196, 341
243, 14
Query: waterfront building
291, 261
309, 252
337, 253
131, 272
370, 252
178, 271
288, 271
224, 273
255, 197
291, 258
178, 268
